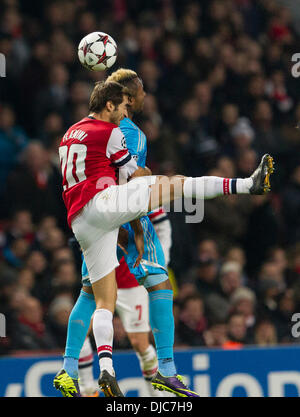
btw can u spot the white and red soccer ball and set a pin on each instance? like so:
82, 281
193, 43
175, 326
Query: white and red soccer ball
97, 51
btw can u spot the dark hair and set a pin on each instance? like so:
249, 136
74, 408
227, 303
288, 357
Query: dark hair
104, 92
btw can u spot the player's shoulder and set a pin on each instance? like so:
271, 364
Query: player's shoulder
96, 124
90, 123
128, 124
87, 130
133, 134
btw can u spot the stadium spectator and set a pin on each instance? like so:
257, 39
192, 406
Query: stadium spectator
243, 301
216, 334
192, 322
35, 185
291, 206
205, 275
12, 141
236, 332
26, 279
57, 318
219, 302
265, 334
282, 319
30, 331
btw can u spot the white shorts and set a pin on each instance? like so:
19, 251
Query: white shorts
96, 227
133, 308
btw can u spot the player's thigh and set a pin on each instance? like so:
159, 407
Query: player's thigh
99, 248
114, 206
132, 199
164, 190
133, 308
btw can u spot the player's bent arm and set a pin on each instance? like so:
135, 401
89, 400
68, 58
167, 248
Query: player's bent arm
124, 172
127, 170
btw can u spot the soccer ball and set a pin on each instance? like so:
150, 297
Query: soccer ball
97, 51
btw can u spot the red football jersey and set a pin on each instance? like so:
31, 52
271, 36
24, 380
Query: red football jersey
125, 279
90, 153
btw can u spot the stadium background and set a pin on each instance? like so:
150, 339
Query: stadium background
218, 74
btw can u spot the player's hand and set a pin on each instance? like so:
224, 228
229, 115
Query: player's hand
123, 239
139, 240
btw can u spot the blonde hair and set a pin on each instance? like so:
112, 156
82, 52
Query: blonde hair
126, 77
122, 75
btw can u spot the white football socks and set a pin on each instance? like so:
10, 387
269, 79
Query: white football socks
103, 333
243, 185
211, 187
149, 366
148, 362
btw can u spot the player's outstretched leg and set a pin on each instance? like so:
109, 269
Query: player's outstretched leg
167, 189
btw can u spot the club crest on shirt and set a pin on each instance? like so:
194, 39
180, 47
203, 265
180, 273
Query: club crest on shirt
123, 143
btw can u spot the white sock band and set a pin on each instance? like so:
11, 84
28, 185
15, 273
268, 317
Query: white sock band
211, 187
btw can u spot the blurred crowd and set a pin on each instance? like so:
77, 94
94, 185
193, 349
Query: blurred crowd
220, 93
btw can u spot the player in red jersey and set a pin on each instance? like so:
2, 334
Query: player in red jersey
91, 152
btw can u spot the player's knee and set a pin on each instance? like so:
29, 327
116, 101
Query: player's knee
135, 344
138, 342
106, 304
87, 289
165, 285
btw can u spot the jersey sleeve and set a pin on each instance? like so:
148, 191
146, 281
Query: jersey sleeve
143, 155
131, 136
135, 143
118, 153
